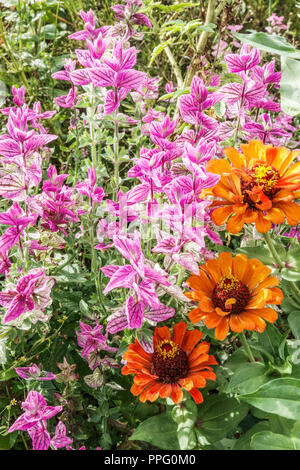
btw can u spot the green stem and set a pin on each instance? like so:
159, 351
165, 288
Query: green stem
210, 13
170, 55
247, 347
92, 112
116, 156
280, 264
11, 55
236, 130
94, 258
273, 251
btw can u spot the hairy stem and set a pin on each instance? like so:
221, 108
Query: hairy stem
92, 111
247, 347
210, 13
280, 264
94, 267
116, 157
170, 55
11, 55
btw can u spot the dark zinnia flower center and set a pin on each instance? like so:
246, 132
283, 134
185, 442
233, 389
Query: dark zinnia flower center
230, 295
169, 362
263, 176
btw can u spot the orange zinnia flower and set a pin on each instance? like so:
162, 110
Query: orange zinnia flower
174, 365
259, 187
233, 293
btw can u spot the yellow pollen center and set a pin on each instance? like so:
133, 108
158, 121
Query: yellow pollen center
265, 175
228, 283
167, 349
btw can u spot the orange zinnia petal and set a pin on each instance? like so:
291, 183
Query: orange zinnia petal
220, 215
177, 394
196, 315
225, 263
236, 324
222, 329
191, 338
263, 223
235, 223
235, 157
197, 396
165, 390
178, 332
160, 334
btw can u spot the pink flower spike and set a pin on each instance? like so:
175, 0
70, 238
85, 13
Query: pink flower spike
32, 291
19, 95
34, 372
60, 438
36, 411
242, 62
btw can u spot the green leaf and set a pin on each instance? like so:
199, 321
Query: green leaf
159, 49
267, 440
290, 87
270, 340
160, 431
269, 42
290, 275
260, 252
279, 396
243, 443
220, 108
281, 425
218, 416
7, 374
294, 323
170, 8
7, 442
185, 415
175, 94
293, 254
289, 304
3, 93
248, 378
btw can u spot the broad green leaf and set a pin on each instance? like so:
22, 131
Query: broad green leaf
243, 443
7, 375
281, 425
296, 429
290, 87
270, 43
288, 273
260, 252
248, 378
7, 442
218, 416
270, 340
145, 410
187, 438
267, 440
294, 322
160, 430
289, 304
293, 254
185, 415
279, 396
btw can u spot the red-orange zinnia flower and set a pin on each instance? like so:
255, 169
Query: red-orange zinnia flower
175, 364
232, 293
258, 186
